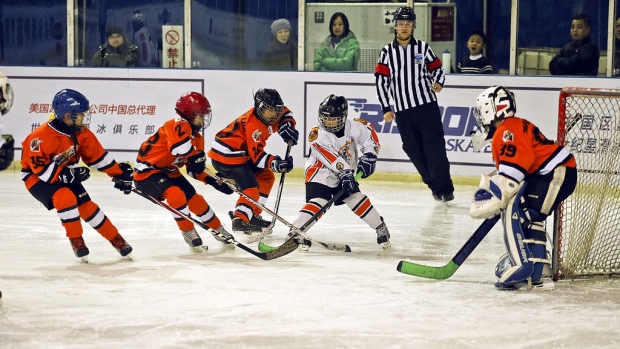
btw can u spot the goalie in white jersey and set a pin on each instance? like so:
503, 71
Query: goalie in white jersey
338, 149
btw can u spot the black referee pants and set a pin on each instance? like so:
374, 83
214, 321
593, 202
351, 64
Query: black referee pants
421, 131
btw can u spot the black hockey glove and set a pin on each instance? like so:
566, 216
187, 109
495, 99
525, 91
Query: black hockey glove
347, 182
196, 163
70, 175
288, 132
222, 187
367, 164
281, 166
124, 181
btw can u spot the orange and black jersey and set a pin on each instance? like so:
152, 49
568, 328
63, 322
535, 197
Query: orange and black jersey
244, 140
52, 147
520, 149
167, 150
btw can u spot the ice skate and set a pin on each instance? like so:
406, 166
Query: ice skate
194, 241
122, 246
542, 284
257, 221
251, 230
383, 235
79, 248
227, 236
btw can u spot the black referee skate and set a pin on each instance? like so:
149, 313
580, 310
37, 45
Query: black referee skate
121, 246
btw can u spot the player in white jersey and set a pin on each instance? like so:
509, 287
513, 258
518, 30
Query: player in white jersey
7, 143
338, 149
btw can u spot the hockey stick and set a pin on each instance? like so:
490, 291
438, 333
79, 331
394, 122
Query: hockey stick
449, 269
265, 248
331, 246
279, 194
284, 249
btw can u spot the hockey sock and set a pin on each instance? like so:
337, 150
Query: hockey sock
94, 216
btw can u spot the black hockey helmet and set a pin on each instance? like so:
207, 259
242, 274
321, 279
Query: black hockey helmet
404, 13
333, 113
268, 98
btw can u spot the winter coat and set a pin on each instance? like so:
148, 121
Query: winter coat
279, 56
580, 57
341, 57
126, 55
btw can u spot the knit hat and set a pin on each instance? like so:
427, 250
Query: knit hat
280, 24
113, 29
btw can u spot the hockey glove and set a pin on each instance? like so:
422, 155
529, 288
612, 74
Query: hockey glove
222, 187
70, 175
124, 181
347, 182
196, 163
288, 132
367, 164
281, 166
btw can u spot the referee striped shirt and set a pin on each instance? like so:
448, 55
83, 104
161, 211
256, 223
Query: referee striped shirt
407, 73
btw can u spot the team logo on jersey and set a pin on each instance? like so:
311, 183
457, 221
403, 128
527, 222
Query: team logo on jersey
507, 136
256, 135
339, 166
313, 135
35, 145
64, 156
362, 121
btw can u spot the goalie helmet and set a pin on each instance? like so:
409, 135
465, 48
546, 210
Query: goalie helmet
267, 99
6, 94
71, 102
333, 113
494, 103
192, 104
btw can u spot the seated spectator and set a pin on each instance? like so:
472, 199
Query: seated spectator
475, 63
340, 50
116, 52
281, 54
579, 57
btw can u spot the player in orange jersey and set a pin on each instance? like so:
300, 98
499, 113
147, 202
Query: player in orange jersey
238, 153
50, 170
178, 143
533, 176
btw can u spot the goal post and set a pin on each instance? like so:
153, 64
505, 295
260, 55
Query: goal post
587, 224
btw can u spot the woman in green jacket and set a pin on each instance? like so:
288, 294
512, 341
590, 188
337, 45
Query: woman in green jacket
340, 51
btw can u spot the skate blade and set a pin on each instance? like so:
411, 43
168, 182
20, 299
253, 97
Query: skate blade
386, 245
84, 259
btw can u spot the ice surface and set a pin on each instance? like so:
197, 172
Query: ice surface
169, 297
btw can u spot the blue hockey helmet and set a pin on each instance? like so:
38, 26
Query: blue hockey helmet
73, 103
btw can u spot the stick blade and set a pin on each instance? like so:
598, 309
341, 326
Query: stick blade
425, 271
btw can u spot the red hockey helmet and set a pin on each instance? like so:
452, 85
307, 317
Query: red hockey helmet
194, 104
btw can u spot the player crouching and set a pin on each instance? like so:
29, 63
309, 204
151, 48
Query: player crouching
533, 176
50, 170
337, 147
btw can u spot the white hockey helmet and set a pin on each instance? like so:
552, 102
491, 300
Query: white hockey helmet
494, 103
6, 94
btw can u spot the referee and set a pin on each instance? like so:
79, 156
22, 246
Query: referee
409, 71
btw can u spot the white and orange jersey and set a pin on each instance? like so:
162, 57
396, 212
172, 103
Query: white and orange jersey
520, 149
329, 154
49, 149
167, 150
244, 140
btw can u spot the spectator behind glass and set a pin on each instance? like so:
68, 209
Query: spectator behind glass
142, 39
580, 57
616, 71
340, 50
116, 52
475, 63
281, 54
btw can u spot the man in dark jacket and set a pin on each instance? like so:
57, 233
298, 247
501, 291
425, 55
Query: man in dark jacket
580, 57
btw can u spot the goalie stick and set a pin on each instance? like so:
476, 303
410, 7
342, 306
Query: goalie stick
449, 269
329, 246
265, 248
284, 249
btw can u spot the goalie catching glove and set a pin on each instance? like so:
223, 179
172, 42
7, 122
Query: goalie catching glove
219, 185
124, 181
367, 164
70, 175
492, 196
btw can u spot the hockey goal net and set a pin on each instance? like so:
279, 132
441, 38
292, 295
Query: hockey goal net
587, 224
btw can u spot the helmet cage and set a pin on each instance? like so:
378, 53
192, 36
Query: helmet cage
333, 113
265, 100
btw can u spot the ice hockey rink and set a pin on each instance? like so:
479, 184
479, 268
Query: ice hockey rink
168, 297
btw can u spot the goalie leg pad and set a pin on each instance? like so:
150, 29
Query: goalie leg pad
7, 152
